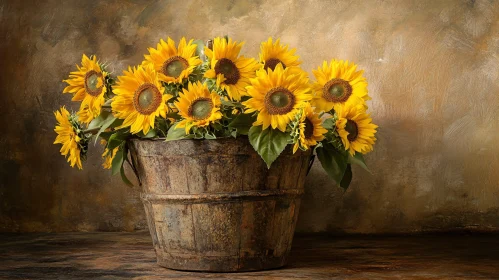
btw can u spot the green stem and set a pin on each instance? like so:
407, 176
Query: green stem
92, 131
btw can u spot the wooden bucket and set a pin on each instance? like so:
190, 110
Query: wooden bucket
212, 205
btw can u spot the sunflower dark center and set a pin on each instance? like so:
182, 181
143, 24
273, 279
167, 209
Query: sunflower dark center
352, 129
174, 66
272, 63
228, 68
92, 79
147, 99
200, 108
309, 129
337, 90
279, 101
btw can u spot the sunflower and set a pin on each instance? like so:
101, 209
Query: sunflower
356, 129
139, 99
108, 157
277, 95
231, 71
310, 129
85, 115
198, 106
69, 134
338, 83
87, 85
172, 64
273, 53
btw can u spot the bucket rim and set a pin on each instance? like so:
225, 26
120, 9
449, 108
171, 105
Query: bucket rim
242, 137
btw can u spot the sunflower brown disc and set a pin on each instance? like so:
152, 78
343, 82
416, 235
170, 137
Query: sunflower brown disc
352, 129
279, 101
309, 129
147, 99
272, 63
228, 68
337, 90
200, 108
174, 66
91, 80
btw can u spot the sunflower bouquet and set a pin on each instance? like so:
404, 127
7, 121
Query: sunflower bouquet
197, 91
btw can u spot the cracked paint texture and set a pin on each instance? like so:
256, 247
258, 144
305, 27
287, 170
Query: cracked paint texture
433, 72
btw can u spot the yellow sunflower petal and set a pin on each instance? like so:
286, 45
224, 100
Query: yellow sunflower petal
338, 84
198, 106
355, 127
67, 135
231, 70
87, 85
273, 98
139, 98
272, 54
173, 64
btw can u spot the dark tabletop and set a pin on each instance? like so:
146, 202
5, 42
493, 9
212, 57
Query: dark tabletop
131, 256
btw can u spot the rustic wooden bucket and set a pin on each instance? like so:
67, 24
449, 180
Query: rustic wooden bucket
212, 205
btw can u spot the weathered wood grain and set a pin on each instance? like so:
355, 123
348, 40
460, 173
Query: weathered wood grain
215, 206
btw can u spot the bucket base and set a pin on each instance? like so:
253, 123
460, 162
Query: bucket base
220, 264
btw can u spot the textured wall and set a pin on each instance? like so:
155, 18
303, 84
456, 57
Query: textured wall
433, 72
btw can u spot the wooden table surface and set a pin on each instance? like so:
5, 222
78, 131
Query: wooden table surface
131, 256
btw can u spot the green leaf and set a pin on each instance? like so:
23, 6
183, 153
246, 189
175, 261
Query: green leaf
329, 124
198, 132
124, 178
173, 115
110, 121
358, 159
116, 139
161, 127
209, 136
232, 104
268, 143
106, 134
242, 123
152, 133
217, 126
347, 178
175, 133
199, 47
334, 162
99, 120
117, 162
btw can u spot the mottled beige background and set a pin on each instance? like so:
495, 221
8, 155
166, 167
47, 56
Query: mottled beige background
433, 72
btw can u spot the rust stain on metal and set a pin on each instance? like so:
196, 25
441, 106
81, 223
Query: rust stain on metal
224, 211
